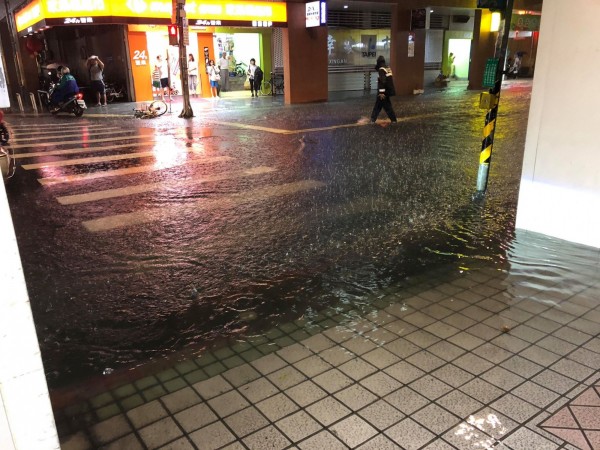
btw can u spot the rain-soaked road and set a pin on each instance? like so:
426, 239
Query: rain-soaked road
140, 237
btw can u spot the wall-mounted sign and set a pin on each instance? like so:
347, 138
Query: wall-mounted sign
41, 13
316, 14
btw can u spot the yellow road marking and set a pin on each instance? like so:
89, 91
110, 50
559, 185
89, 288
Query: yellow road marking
72, 151
83, 141
311, 130
225, 202
149, 187
127, 171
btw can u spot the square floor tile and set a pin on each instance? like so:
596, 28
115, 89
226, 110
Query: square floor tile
379, 442
353, 431
359, 345
555, 381
212, 437
402, 348
515, 408
381, 336
586, 357
492, 422
146, 414
525, 439
294, 353
452, 375
241, 375
328, 410
159, 433
258, 390
195, 417
276, 407
246, 421
422, 338
306, 393
182, 399
355, 397
502, 378
419, 320
572, 335
535, 394
286, 377
322, 441
572, 369
381, 384
446, 351
318, 343
381, 415
212, 387
298, 426
442, 330
522, 366
436, 419
459, 321
425, 361
466, 340
527, 333
492, 353
337, 355
228, 403
111, 429
540, 356
472, 363
404, 372
312, 366
380, 358
556, 345
430, 387
406, 400
439, 444
459, 403
268, 364
400, 328
481, 390
409, 434
357, 368
333, 380
267, 438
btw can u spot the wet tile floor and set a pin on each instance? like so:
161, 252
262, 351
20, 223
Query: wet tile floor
449, 360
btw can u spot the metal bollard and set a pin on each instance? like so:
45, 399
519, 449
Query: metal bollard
20, 102
33, 102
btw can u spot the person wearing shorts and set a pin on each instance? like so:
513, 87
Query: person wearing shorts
164, 75
96, 68
214, 77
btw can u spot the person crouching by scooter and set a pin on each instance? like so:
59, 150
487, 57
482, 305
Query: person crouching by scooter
67, 87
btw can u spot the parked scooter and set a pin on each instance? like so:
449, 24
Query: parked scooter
74, 104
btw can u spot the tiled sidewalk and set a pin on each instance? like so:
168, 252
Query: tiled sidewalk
473, 361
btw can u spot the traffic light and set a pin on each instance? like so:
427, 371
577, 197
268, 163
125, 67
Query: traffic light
494, 5
173, 35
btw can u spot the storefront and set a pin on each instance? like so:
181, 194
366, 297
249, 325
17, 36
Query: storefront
241, 29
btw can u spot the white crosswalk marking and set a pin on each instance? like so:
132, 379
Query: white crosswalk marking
50, 133
149, 187
72, 151
222, 202
91, 136
82, 141
128, 171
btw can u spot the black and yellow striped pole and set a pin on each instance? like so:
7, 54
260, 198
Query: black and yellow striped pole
489, 100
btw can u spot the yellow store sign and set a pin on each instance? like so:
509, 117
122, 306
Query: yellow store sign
41, 13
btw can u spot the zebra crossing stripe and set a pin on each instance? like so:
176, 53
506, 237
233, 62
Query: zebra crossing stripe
72, 151
50, 181
221, 202
49, 133
95, 133
149, 187
82, 141
90, 160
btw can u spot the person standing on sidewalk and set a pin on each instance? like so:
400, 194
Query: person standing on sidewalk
96, 69
385, 90
250, 73
192, 75
224, 66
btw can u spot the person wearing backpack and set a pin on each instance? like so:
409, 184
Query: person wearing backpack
385, 90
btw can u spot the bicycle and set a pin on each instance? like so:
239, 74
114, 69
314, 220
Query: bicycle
113, 92
276, 81
149, 111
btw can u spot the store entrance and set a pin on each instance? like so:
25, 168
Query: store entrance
237, 49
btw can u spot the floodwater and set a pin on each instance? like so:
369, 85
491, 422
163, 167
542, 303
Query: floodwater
331, 217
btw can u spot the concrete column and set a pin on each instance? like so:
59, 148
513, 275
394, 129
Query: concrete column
409, 72
560, 183
482, 47
304, 58
26, 419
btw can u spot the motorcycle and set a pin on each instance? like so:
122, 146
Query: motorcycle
74, 104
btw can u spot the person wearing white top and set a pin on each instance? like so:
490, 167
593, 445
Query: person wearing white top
224, 66
251, 70
192, 74
214, 77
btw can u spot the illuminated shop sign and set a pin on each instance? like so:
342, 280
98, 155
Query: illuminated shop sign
41, 13
316, 14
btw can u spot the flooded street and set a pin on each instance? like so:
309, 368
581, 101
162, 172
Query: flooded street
141, 238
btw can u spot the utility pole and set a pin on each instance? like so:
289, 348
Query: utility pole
14, 43
184, 37
492, 98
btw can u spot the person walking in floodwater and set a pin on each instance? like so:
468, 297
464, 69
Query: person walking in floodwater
385, 90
